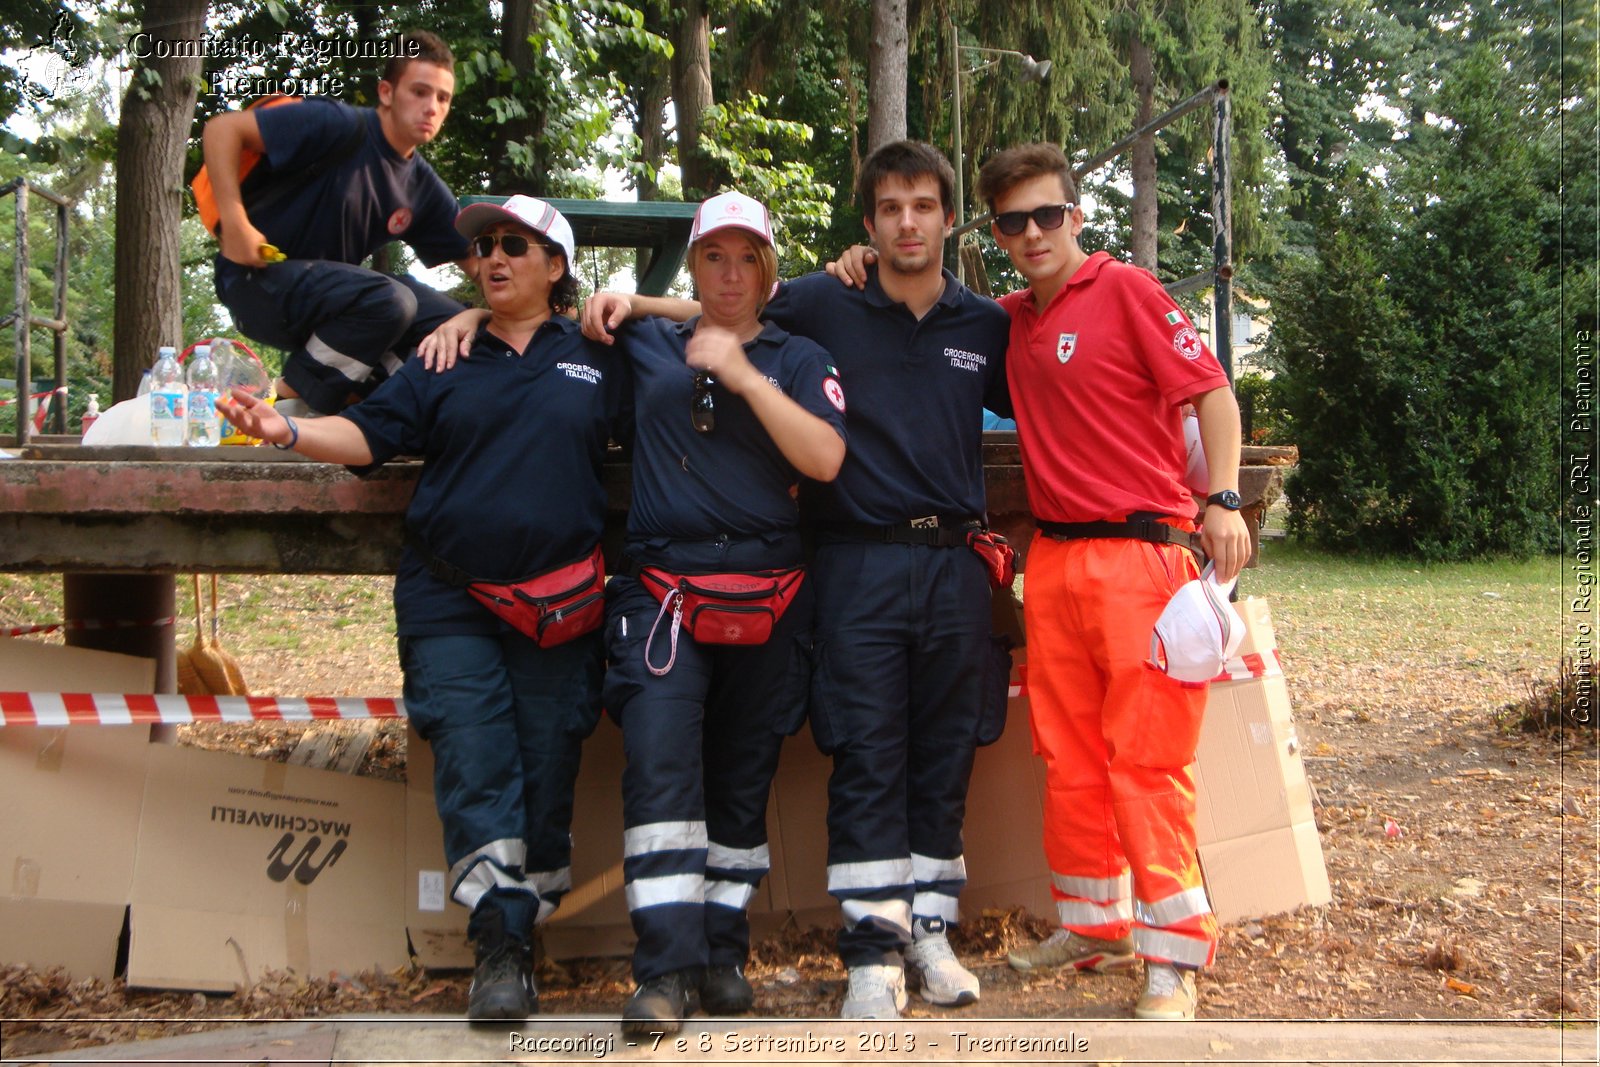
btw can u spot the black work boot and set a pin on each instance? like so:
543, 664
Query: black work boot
660, 1004
726, 991
502, 980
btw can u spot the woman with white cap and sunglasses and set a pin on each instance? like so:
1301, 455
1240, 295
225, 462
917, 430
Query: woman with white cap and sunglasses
707, 625
510, 497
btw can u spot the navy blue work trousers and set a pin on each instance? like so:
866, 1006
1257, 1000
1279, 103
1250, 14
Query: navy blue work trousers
702, 744
346, 328
901, 649
506, 720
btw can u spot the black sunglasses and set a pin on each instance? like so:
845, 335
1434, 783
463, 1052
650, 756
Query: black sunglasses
514, 243
703, 412
1049, 217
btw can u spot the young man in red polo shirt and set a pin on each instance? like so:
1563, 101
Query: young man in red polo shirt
1100, 363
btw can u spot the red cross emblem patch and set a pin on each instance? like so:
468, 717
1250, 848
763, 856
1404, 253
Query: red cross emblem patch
1187, 342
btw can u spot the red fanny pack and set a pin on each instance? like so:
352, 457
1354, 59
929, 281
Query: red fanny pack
719, 609
999, 558
552, 607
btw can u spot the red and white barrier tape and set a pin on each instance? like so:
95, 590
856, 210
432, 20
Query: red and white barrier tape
111, 709
121, 709
31, 396
84, 624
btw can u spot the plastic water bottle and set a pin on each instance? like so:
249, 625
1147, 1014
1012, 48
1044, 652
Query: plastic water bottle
205, 421
223, 355
168, 399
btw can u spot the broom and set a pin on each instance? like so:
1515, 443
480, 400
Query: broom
189, 681
208, 669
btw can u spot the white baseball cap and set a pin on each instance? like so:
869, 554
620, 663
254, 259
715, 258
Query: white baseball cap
1198, 631
528, 210
731, 209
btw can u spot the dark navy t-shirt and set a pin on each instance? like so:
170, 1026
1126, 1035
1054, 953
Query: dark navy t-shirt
511, 485
348, 212
734, 480
917, 393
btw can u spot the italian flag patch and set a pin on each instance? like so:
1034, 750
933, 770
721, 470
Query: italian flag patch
1174, 317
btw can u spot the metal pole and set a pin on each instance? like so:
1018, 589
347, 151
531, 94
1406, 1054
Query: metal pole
1157, 123
961, 195
23, 324
1222, 246
61, 317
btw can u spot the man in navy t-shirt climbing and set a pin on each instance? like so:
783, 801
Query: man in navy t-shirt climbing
333, 185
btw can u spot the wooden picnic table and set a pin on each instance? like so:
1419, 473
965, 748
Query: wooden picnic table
118, 522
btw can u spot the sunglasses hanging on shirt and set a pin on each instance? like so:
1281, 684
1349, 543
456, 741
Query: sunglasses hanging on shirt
703, 411
1048, 216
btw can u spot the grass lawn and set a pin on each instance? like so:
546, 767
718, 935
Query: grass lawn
1495, 615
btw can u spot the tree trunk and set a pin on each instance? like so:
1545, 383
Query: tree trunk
651, 97
516, 25
887, 52
151, 138
1143, 162
691, 96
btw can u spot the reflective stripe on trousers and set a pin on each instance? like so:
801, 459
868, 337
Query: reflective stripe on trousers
1118, 739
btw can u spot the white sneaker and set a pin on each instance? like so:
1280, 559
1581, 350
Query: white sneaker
1169, 993
877, 991
941, 978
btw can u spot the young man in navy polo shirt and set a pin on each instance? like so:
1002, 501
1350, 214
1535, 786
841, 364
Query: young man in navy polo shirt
902, 624
333, 185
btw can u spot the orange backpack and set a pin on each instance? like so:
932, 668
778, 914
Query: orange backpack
261, 192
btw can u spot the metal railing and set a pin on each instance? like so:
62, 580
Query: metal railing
23, 319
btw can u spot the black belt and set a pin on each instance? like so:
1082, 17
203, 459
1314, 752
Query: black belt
1136, 528
936, 531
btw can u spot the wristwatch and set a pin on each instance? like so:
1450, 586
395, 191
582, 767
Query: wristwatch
1225, 499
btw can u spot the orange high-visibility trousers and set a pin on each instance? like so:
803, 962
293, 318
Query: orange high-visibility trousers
1118, 739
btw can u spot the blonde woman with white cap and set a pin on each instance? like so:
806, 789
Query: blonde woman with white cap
708, 623
510, 497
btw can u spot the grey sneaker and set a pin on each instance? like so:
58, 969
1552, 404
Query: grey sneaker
877, 991
941, 978
1065, 948
1169, 993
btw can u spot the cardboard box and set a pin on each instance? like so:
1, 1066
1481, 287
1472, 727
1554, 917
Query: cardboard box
1256, 829
71, 798
1004, 835
34, 667
245, 866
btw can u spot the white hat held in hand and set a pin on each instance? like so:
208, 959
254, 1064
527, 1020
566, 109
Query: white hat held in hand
731, 209
1198, 631
528, 210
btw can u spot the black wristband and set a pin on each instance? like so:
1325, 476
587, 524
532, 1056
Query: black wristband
294, 436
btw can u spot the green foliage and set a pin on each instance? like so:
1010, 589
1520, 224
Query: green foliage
552, 120
90, 181
767, 159
1417, 348
1265, 421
